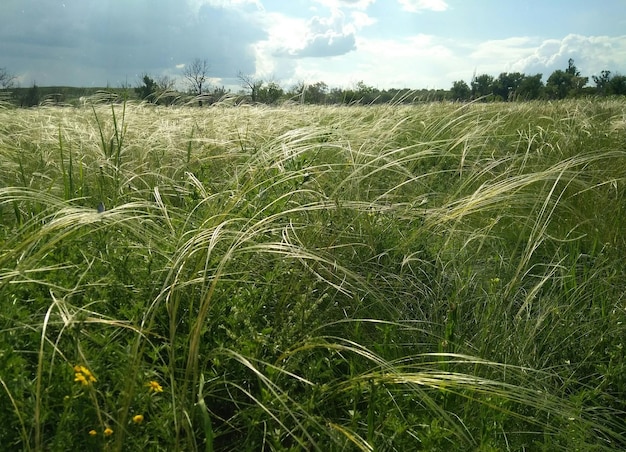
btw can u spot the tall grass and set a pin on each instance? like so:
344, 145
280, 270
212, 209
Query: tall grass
427, 277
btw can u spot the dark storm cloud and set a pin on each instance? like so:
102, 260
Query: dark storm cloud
87, 42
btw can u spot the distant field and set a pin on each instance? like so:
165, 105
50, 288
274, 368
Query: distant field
432, 277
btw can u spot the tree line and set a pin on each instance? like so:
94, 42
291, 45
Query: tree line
507, 87
561, 84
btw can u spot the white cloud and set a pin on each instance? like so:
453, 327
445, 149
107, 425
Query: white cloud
337, 4
500, 49
283, 33
412, 47
361, 20
591, 55
496, 56
414, 62
416, 6
318, 37
197, 4
428, 61
92, 43
291, 39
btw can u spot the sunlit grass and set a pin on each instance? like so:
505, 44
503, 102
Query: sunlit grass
432, 277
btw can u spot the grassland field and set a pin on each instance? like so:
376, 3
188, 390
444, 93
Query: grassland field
438, 277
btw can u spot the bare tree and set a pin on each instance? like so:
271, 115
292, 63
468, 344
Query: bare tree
166, 83
196, 74
250, 83
7, 80
166, 90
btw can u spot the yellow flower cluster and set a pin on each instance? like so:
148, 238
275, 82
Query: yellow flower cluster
154, 386
107, 432
83, 376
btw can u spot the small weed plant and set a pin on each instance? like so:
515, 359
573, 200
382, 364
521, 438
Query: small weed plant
428, 277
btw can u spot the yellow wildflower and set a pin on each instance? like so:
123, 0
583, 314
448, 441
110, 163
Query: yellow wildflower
92, 432
108, 431
138, 419
80, 378
154, 386
83, 375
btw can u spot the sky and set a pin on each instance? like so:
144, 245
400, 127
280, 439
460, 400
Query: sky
384, 43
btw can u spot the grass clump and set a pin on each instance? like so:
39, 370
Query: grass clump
433, 277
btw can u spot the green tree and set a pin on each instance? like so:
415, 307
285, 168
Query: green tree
482, 86
617, 85
365, 93
296, 93
270, 93
316, 93
567, 83
531, 87
603, 82
147, 89
460, 91
32, 97
572, 69
507, 84
559, 84
335, 96
348, 96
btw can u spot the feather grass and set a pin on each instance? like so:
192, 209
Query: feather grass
329, 278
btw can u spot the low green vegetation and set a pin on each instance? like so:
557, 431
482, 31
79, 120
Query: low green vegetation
430, 277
